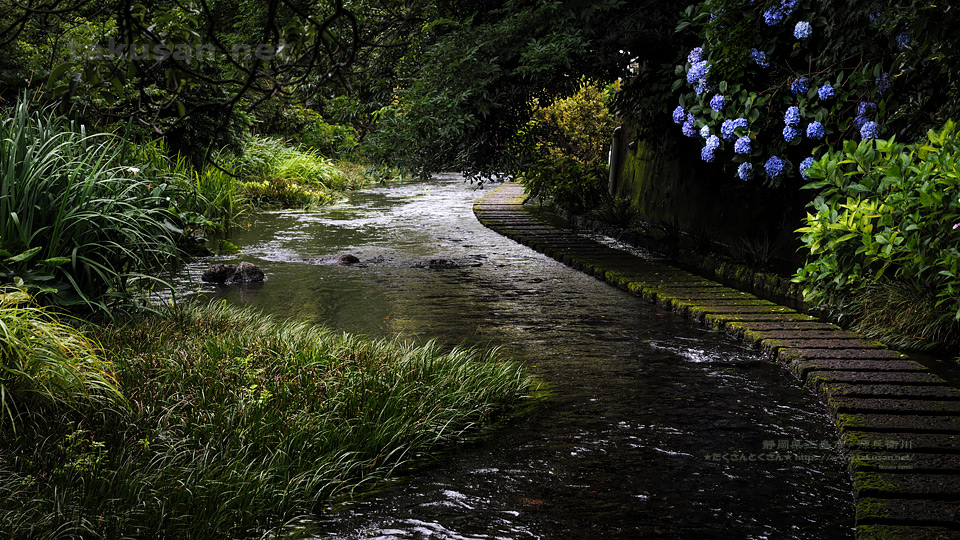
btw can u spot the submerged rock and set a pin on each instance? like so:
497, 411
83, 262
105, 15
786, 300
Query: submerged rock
219, 273
246, 273
347, 259
229, 273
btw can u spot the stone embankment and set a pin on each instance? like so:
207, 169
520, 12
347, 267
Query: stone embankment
899, 424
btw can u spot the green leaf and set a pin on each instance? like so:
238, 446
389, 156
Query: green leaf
25, 256
55, 261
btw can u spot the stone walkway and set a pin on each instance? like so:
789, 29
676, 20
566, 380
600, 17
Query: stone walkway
899, 424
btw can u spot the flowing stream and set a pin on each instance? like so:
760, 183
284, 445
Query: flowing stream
654, 427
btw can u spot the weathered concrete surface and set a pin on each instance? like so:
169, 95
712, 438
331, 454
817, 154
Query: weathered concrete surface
899, 424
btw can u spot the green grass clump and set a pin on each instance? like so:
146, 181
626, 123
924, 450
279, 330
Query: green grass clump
277, 174
239, 424
45, 364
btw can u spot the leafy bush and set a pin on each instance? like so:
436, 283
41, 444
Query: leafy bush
76, 228
44, 362
886, 220
310, 129
571, 136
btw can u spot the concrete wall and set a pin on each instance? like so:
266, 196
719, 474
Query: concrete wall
662, 173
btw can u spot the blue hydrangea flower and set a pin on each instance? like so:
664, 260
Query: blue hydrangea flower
698, 71
859, 121
792, 116
799, 85
679, 115
707, 154
772, 16
883, 83
726, 129
865, 108
688, 128
703, 86
745, 171
903, 40
705, 131
773, 167
760, 58
876, 17
713, 142
740, 123
717, 102
802, 30
790, 133
825, 92
804, 165
815, 130
742, 146
869, 130
696, 55
787, 7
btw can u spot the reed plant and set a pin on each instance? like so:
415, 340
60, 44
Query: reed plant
207, 201
74, 226
240, 425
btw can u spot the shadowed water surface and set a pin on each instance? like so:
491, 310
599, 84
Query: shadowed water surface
655, 427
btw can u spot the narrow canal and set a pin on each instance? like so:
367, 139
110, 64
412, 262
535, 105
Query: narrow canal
655, 426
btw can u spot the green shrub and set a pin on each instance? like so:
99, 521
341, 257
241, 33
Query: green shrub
571, 138
887, 212
74, 226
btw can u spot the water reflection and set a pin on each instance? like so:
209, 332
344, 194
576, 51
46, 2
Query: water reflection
656, 426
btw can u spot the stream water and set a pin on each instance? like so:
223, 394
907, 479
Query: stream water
655, 426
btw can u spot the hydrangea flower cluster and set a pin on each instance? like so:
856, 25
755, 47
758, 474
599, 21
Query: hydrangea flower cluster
790, 133
760, 58
802, 30
792, 116
799, 85
679, 115
742, 146
688, 126
729, 126
717, 102
745, 171
705, 131
696, 55
774, 167
776, 14
825, 93
804, 165
698, 72
869, 130
903, 40
708, 154
815, 131
883, 83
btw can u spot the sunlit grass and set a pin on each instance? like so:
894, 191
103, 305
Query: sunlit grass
46, 365
240, 424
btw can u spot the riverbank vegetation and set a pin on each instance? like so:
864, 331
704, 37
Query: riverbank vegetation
203, 421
